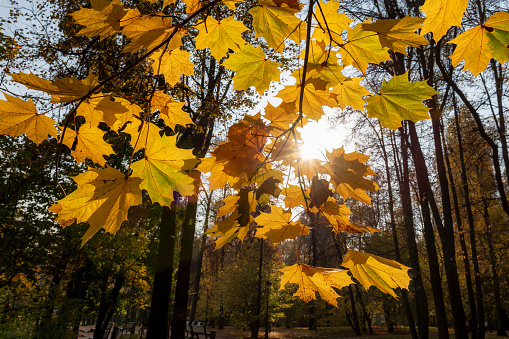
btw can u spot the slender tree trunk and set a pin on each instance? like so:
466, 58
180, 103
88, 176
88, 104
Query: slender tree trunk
314, 258
447, 234
471, 226
178, 321
363, 307
200, 262
355, 319
255, 322
404, 293
464, 250
158, 319
493, 260
497, 72
429, 234
107, 305
420, 293
482, 131
354, 323
221, 308
494, 272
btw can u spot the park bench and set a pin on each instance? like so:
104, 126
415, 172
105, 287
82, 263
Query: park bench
129, 328
201, 329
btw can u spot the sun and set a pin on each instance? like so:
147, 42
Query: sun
318, 138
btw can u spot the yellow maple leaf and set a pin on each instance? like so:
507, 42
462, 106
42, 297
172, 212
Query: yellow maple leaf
220, 36
20, 117
102, 19
133, 112
172, 64
316, 279
398, 34
293, 196
102, 199
478, 45
362, 48
330, 23
142, 132
313, 100
242, 153
281, 117
61, 90
277, 23
337, 215
146, 31
347, 171
87, 142
277, 225
252, 68
284, 149
170, 110
217, 178
237, 223
160, 170
400, 100
349, 93
442, 14
372, 270
231, 3
102, 108
230, 205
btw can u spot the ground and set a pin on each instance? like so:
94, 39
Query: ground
303, 333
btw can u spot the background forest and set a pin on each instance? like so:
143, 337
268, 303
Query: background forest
441, 210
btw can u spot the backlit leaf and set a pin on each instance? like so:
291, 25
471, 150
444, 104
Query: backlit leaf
161, 172
442, 14
372, 270
20, 117
220, 36
87, 142
102, 19
277, 225
316, 279
102, 199
398, 34
400, 100
252, 69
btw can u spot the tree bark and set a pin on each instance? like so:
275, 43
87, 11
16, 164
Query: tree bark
447, 233
420, 293
254, 326
464, 250
158, 319
200, 262
404, 293
429, 234
471, 226
178, 321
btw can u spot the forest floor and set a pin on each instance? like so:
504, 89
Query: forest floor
305, 333
325, 332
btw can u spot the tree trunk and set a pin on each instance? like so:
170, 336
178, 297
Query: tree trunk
107, 305
447, 233
363, 307
470, 218
254, 326
420, 293
178, 321
404, 293
200, 262
485, 136
158, 321
464, 250
429, 234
